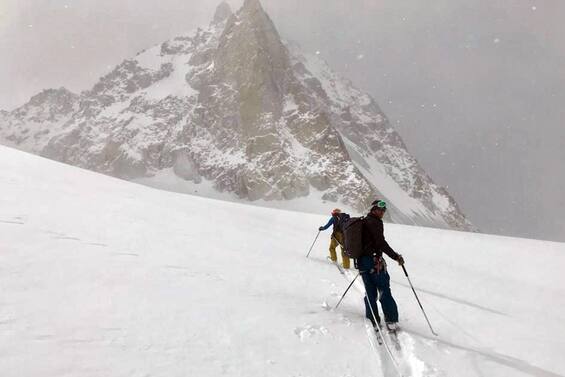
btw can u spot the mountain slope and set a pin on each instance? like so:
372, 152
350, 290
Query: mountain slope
232, 107
105, 277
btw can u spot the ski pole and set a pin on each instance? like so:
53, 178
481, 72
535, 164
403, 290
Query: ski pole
307, 255
343, 250
339, 243
419, 303
347, 290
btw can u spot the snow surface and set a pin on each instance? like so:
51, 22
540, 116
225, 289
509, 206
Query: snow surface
313, 203
377, 174
175, 84
102, 277
150, 58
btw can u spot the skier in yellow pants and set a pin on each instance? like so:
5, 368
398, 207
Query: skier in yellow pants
337, 237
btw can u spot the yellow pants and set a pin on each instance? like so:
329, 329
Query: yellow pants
337, 239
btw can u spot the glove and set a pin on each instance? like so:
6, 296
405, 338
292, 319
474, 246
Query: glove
321, 228
400, 260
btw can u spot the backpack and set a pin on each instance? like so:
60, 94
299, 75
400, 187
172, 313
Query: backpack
341, 219
353, 235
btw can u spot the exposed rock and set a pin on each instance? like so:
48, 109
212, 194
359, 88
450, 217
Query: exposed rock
223, 12
30, 126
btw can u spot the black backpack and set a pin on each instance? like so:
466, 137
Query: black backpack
341, 219
353, 235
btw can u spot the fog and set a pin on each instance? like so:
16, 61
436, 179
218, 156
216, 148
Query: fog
476, 88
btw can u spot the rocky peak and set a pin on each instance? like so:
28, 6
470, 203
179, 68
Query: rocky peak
223, 12
49, 104
255, 16
29, 126
252, 5
52, 96
252, 58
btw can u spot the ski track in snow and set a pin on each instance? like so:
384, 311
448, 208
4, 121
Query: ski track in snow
409, 341
454, 299
18, 220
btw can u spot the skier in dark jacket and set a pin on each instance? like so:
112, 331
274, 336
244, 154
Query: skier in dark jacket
372, 267
336, 238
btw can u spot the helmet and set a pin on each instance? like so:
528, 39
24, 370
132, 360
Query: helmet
336, 211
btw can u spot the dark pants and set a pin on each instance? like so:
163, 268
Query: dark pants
377, 285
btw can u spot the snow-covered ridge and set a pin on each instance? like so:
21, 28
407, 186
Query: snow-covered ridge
233, 106
107, 277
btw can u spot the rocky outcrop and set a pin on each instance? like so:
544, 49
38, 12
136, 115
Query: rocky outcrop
223, 12
31, 126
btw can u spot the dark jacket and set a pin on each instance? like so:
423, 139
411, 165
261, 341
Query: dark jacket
374, 240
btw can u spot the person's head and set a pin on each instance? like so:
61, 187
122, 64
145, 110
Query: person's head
378, 208
336, 212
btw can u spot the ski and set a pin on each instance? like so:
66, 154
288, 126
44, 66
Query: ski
340, 269
392, 327
379, 336
379, 331
393, 335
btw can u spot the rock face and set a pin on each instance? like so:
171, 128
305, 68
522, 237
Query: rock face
235, 108
223, 12
31, 126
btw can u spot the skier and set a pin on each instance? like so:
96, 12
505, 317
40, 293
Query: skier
372, 267
336, 238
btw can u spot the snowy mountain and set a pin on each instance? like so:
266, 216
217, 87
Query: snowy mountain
103, 277
233, 112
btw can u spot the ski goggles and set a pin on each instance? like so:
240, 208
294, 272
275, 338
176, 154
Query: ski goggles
379, 204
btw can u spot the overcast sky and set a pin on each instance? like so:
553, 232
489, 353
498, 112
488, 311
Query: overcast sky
476, 88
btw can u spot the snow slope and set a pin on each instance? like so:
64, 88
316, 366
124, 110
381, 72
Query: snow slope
102, 277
